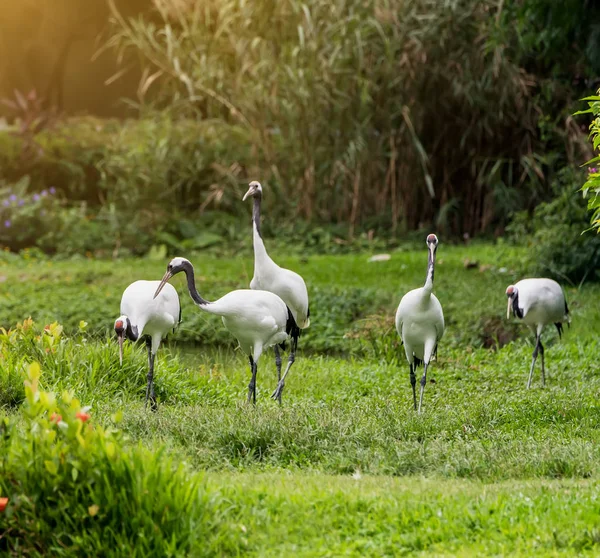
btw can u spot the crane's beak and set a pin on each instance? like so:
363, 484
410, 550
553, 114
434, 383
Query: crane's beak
120, 340
248, 193
432, 252
508, 308
163, 282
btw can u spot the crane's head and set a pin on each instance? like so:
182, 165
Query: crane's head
511, 294
254, 190
432, 242
121, 325
176, 265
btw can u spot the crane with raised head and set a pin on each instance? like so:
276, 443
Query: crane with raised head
420, 323
286, 284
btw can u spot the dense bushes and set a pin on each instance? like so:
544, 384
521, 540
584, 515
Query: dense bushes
553, 232
121, 187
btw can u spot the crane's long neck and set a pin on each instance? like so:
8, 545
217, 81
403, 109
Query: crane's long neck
131, 332
261, 258
191, 283
428, 287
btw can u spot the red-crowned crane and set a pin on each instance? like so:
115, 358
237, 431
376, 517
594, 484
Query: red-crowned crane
538, 302
257, 319
420, 323
286, 284
144, 315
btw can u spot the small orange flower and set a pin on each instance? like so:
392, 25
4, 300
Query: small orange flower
83, 417
3, 504
55, 418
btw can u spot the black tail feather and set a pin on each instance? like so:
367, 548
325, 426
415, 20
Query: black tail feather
292, 329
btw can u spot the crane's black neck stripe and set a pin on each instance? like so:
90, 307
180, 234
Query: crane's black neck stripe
191, 281
515, 304
256, 212
131, 332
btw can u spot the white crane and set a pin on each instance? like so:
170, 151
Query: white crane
257, 319
538, 302
420, 323
286, 284
144, 315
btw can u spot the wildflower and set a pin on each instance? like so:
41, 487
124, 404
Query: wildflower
12, 197
55, 417
44, 193
83, 417
52, 190
21, 202
36, 197
592, 170
7, 224
5, 203
3, 504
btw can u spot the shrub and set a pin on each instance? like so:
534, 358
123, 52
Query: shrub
553, 233
76, 488
591, 188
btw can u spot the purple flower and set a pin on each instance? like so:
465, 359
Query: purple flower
12, 197
592, 169
36, 197
21, 202
7, 224
53, 190
5, 203
44, 193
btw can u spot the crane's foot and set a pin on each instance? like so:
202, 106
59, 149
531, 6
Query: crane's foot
278, 391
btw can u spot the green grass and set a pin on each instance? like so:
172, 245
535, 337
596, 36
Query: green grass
345, 466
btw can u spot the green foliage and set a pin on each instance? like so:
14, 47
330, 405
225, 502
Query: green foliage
591, 188
553, 234
73, 487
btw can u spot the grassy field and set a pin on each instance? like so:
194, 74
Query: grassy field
345, 466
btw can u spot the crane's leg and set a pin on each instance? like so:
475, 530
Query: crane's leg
150, 387
279, 389
252, 384
278, 362
413, 383
543, 369
423, 382
534, 357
